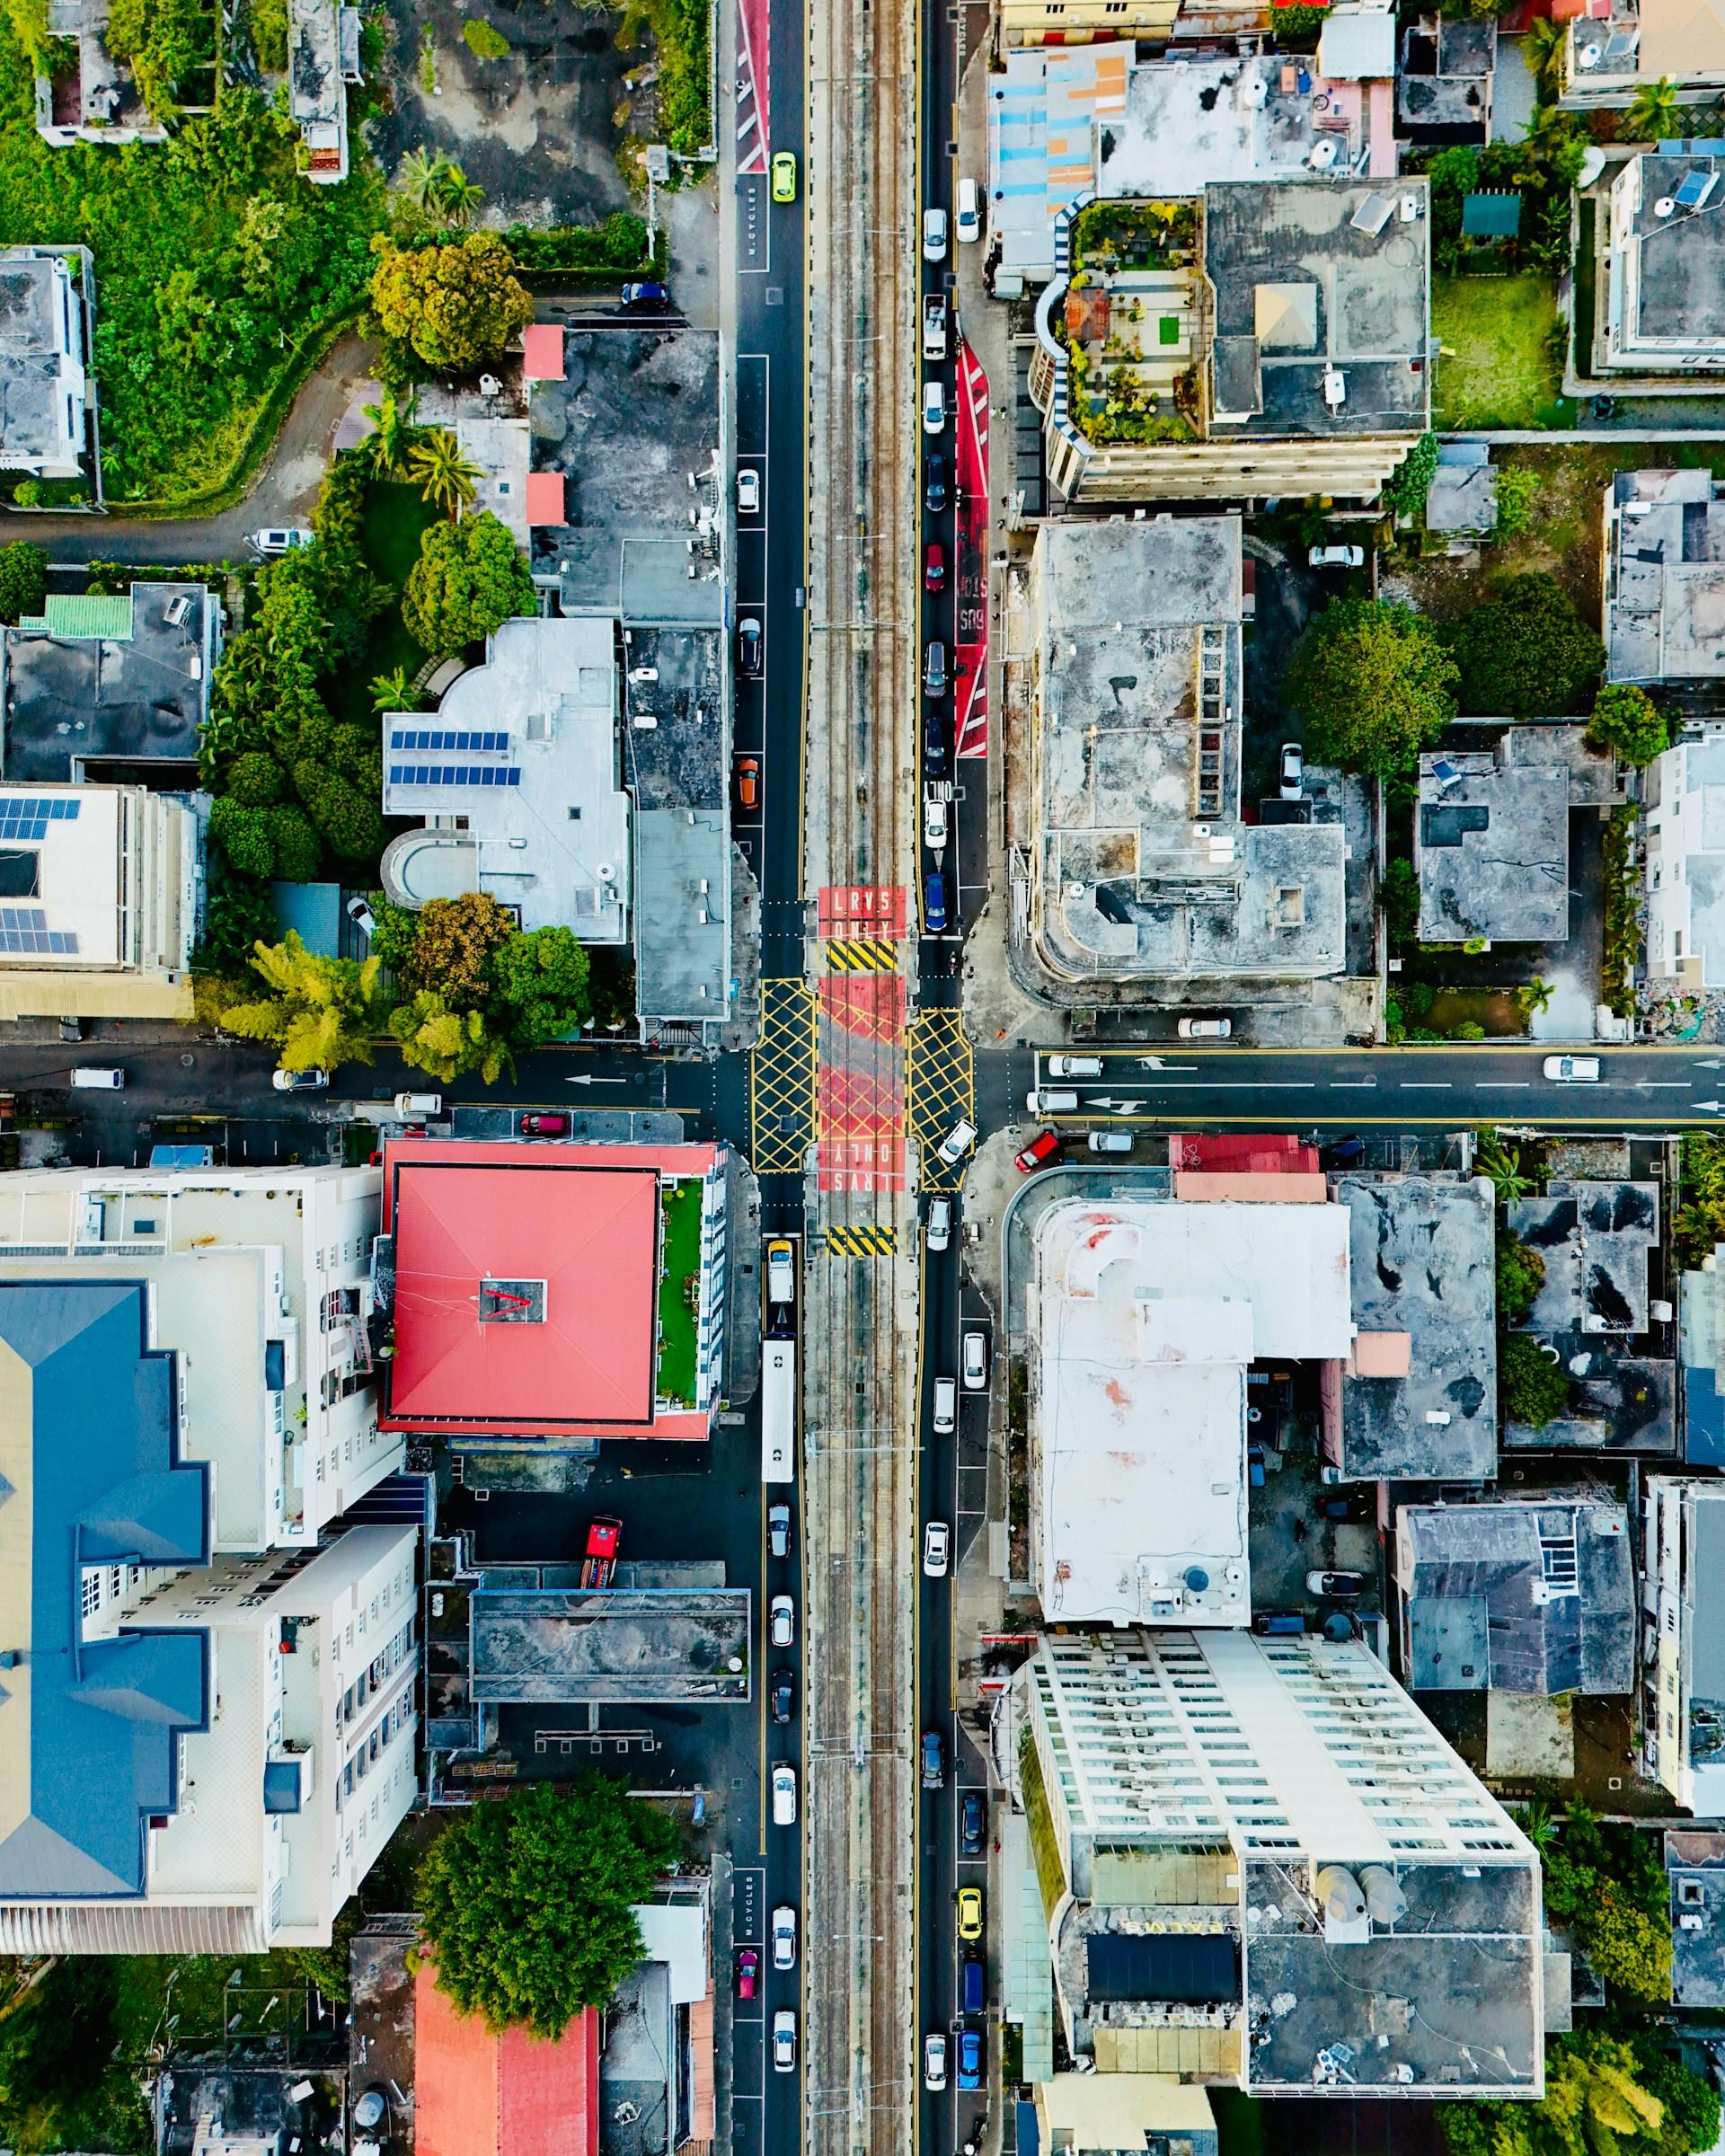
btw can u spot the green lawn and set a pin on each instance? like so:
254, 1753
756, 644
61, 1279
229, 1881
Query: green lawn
389, 534
676, 1317
1496, 367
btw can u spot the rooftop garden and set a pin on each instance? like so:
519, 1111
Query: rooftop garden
679, 1289
1108, 236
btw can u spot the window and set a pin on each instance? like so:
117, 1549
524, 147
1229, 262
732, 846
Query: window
90, 1593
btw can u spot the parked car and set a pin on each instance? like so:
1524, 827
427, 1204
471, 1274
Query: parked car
359, 912
784, 175
281, 538
933, 903
784, 1937
1072, 1066
946, 1406
783, 1695
935, 823
934, 744
784, 1794
1337, 557
1572, 1070
778, 1530
970, 2058
933, 1759
748, 1964
785, 2041
934, 2061
1292, 770
934, 566
1335, 1587
973, 1821
939, 1234
1109, 1141
957, 1142
973, 1360
1043, 1149
933, 407
418, 1104
748, 782
1255, 1467
970, 1913
748, 647
544, 1126
1205, 1029
781, 1270
782, 1621
1275, 1624
934, 235
934, 667
967, 220
1349, 1505
748, 492
935, 482
937, 1545
973, 1984
645, 292
313, 1081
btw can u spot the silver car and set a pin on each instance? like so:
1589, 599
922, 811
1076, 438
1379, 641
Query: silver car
785, 2041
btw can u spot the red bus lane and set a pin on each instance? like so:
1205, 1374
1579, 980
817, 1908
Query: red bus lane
970, 570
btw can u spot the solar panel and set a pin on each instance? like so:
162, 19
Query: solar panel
25, 933
455, 774
486, 743
1694, 190
28, 816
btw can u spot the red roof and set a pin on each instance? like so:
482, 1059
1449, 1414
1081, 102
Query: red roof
526, 1282
1242, 1153
542, 351
545, 498
514, 2095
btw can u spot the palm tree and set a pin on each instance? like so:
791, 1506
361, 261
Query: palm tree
1501, 1168
1544, 51
392, 425
436, 466
421, 176
1533, 997
1654, 112
457, 196
394, 692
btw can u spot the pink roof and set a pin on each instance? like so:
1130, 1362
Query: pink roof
1198, 1186
545, 498
1381, 1355
514, 2095
542, 351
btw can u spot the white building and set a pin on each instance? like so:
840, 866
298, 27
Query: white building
99, 896
1683, 1592
1685, 866
1260, 1865
1144, 1316
44, 353
260, 1277
323, 59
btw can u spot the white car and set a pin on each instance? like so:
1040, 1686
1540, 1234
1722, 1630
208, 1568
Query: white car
1072, 1066
1205, 1029
280, 538
1293, 771
940, 1222
784, 1795
934, 407
360, 914
936, 828
748, 492
974, 1361
409, 1105
782, 1621
957, 1142
934, 2061
967, 220
785, 2041
1572, 1070
934, 235
1337, 557
299, 1081
784, 1937
937, 1547
781, 1271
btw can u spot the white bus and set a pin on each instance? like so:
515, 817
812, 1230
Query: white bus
778, 1411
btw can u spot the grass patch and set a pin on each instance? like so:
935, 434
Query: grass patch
1496, 368
395, 514
678, 1281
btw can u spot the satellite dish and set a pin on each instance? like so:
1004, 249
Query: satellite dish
1593, 164
1590, 54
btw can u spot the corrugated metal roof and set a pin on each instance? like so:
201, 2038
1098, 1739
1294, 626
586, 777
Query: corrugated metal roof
88, 613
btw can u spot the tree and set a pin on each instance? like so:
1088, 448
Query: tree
392, 427
539, 982
453, 946
469, 580
1627, 722
1533, 997
1406, 488
244, 835
457, 194
1543, 52
435, 1038
420, 173
1373, 684
393, 692
300, 850
1628, 1949
526, 1906
453, 306
1501, 1167
1654, 113
393, 928
1599, 2101
240, 914
255, 780
321, 1013
1692, 2107
1533, 1388
1521, 1274
23, 579
1526, 654
443, 475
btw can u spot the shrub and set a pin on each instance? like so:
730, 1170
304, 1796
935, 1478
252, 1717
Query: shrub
1373, 684
1534, 1389
1526, 654
1622, 933
1398, 896
619, 243
1469, 1029
1521, 1274
469, 580
1627, 722
1518, 489
1416, 999
299, 852
255, 780
239, 915
1629, 1949
1406, 488
244, 835
392, 931
23, 579
483, 40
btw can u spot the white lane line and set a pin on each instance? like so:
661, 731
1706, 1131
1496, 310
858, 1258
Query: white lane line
1663, 1085
1353, 1085
1507, 1085
1426, 1085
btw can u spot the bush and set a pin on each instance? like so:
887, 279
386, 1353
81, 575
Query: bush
1469, 1029
1623, 933
1406, 488
620, 243
1629, 1949
244, 835
1398, 897
1518, 489
1628, 723
1526, 654
1373, 684
269, 35
239, 915
1534, 1389
482, 40
299, 852
1521, 1274
455, 305
469, 580
1700, 1223
255, 780
23, 579
393, 928
1416, 999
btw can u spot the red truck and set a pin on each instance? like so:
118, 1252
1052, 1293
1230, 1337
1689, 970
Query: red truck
600, 1563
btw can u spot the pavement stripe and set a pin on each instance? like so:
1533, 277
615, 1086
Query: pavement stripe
863, 955
861, 1242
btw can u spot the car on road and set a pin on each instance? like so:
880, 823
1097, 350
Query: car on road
934, 744
940, 1224
784, 1794
748, 647
973, 1820
967, 220
934, 407
1293, 771
1572, 1070
1044, 1100
544, 1126
957, 1142
970, 2058
748, 1966
934, 2061
778, 1530
645, 292
359, 910
1043, 1149
934, 326
781, 1270
280, 538
973, 1360
935, 482
934, 235
785, 2041
933, 1759
933, 903
784, 1937
1072, 1066
934, 667
1336, 557
748, 492
418, 1104
784, 175
1335, 1587
313, 1081
935, 823
969, 1914
1205, 1029
946, 1406
783, 1695
782, 1621
937, 1547
934, 566
748, 782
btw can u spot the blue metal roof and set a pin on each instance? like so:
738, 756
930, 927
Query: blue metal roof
107, 1488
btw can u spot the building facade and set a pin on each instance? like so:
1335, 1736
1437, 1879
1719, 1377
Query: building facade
1683, 1597
44, 360
1685, 866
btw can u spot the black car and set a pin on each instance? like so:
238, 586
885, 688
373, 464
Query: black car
973, 1821
935, 482
782, 1698
934, 745
748, 646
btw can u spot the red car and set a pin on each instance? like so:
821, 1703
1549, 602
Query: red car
544, 1126
1039, 1152
748, 782
748, 1963
934, 569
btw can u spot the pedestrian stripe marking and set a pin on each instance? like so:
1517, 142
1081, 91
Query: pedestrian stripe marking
862, 1242
864, 954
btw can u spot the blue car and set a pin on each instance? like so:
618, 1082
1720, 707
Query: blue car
970, 2058
934, 902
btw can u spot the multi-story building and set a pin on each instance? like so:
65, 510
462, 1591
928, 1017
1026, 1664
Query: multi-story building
100, 892
199, 1753
260, 1280
45, 391
1261, 1866
1685, 865
1615, 47
323, 59
94, 99
1660, 282
1683, 1673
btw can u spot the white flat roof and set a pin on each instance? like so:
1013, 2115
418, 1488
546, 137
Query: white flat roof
1147, 1316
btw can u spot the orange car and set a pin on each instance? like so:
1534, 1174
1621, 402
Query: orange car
748, 782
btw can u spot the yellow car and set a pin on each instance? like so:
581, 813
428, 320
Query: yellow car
784, 175
970, 1913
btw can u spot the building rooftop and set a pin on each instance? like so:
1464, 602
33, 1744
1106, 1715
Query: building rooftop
38, 290
476, 2093
60, 853
1464, 492
1491, 844
120, 687
1666, 268
1444, 90
317, 91
1323, 307
1694, 1867
1665, 576
1424, 1267
1517, 1597
640, 1646
1701, 1349
1147, 1317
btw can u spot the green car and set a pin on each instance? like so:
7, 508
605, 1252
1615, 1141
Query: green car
784, 175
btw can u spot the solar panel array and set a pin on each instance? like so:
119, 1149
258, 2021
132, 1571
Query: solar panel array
28, 816
455, 774
25, 933
433, 737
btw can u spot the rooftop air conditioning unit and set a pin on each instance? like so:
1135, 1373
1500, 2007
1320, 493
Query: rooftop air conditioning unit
1335, 388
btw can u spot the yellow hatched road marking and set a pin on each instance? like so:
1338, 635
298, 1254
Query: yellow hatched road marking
861, 954
940, 1090
782, 1080
861, 1242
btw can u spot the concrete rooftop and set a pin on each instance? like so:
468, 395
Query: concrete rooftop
644, 1646
1491, 843
137, 699
1665, 584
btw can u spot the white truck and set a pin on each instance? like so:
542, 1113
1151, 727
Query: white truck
935, 327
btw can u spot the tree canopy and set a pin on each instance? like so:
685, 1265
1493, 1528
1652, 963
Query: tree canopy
1628, 722
453, 947
1374, 686
1526, 653
1605, 2095
540, 987
469, 580
23, 579
321, 1013
1521, 1274
1534, 1389
455, 305
526, 1906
